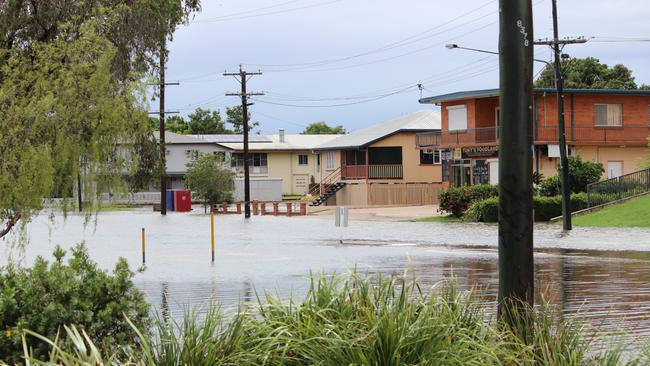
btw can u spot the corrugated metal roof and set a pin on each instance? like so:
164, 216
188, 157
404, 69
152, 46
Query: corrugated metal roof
291, 142
420, 121
231, 138
176, 138
487, 93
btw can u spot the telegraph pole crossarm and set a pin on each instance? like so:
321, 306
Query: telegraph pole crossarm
243, 77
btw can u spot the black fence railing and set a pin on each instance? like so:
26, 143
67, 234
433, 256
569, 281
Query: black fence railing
614, 189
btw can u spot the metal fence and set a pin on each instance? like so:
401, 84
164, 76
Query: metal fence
614, 189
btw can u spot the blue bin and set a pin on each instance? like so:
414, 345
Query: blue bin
170, 200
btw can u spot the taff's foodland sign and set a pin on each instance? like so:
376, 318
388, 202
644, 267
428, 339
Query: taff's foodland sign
480, 152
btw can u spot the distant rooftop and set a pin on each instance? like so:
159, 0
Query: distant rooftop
291, 142
420, 121
487, 93
231, 138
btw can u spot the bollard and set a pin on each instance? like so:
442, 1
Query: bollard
337, 217
143, 250
344, 216
263, 204
303, 208
256, 210
239, 208
212, 233
289, 205
275, 208
224, 208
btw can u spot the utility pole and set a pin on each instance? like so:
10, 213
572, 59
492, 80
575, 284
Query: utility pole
161, 112
516, 270
565, 180
243, 76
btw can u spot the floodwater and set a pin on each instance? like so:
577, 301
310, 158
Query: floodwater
600, 275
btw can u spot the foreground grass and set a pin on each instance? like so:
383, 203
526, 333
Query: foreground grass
448, 218
633, 213
349, 321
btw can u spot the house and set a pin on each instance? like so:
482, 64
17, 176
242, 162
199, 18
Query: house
285, 156
383, 164
181, 150
606, 126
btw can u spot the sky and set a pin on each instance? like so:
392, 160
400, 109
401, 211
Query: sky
358, 62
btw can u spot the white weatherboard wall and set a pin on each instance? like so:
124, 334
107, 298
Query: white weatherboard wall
262, 189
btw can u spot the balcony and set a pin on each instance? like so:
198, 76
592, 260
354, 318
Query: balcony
585, 135
373, 171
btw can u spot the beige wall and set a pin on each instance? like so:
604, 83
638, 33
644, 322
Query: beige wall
323, 163
633, 158
284, 165
413, 171
353, 194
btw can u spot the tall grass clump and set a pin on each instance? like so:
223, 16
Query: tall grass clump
351, 320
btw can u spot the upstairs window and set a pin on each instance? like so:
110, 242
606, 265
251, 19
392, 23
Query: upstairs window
608, 115
303, 160
329, 160
457, 117
430, 157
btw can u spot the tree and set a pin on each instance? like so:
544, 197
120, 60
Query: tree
210, 179
234, 117
322, 128
71, 81
588, 73
205, 122
175, 124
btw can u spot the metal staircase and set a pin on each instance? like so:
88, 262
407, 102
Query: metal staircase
327, 188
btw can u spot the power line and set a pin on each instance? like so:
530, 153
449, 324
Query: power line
233, 17
334, 105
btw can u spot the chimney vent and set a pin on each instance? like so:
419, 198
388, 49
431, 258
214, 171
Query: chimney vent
281, 133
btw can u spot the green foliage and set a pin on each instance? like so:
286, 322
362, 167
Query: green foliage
550, 186
545, 208
205, 122
234, 116
48, 296
583, 173
146, 165
456, 200
210, 179
322, 128
632, 213
588, 73
357, 321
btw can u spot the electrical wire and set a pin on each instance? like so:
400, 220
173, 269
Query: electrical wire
333, 105
235, 17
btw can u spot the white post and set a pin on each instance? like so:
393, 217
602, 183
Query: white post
344, 214
337, 217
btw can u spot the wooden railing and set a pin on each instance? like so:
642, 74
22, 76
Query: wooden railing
373, 171
332, 178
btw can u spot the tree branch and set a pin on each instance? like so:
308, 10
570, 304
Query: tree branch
12, 220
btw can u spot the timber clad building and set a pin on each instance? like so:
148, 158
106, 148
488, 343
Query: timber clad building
383, 164
606, 126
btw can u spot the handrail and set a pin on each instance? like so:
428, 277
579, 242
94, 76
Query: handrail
614, 189
332, 178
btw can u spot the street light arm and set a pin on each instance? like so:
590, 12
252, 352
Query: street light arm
452, 46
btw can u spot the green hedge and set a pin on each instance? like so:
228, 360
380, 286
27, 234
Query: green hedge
456, 200
546, 208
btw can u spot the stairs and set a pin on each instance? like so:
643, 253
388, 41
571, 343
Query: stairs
329, 191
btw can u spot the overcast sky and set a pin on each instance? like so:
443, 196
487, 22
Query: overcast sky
318, 53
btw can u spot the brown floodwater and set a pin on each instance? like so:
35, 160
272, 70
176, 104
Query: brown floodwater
599, 275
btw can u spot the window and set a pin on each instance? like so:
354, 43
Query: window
192, 154
608, 115
429, 156
318, 162
457, 117
303, 160
258, 162
330, 160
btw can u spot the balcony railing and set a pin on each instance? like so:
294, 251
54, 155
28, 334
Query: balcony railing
634, 135
373, 171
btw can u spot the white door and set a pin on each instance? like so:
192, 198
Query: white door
614, 169
494, 171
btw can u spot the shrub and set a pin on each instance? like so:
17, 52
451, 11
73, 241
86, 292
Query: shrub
456, 200
550, 186
583, 173
48, 296
210, 179
546, 208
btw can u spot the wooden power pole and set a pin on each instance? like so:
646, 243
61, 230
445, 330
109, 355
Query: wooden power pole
243, 76
557, 45
516, 271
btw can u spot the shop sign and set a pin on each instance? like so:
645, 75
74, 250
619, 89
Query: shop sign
480, 152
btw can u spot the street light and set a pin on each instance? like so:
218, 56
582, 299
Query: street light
566, 189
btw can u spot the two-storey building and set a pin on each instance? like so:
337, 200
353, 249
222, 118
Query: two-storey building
606, 126
384, 164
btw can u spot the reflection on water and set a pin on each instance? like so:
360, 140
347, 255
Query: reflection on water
599, 275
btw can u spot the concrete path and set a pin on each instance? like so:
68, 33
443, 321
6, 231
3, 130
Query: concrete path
383, 213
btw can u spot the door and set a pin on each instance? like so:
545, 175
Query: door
494, 171
614, 169
300, 183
